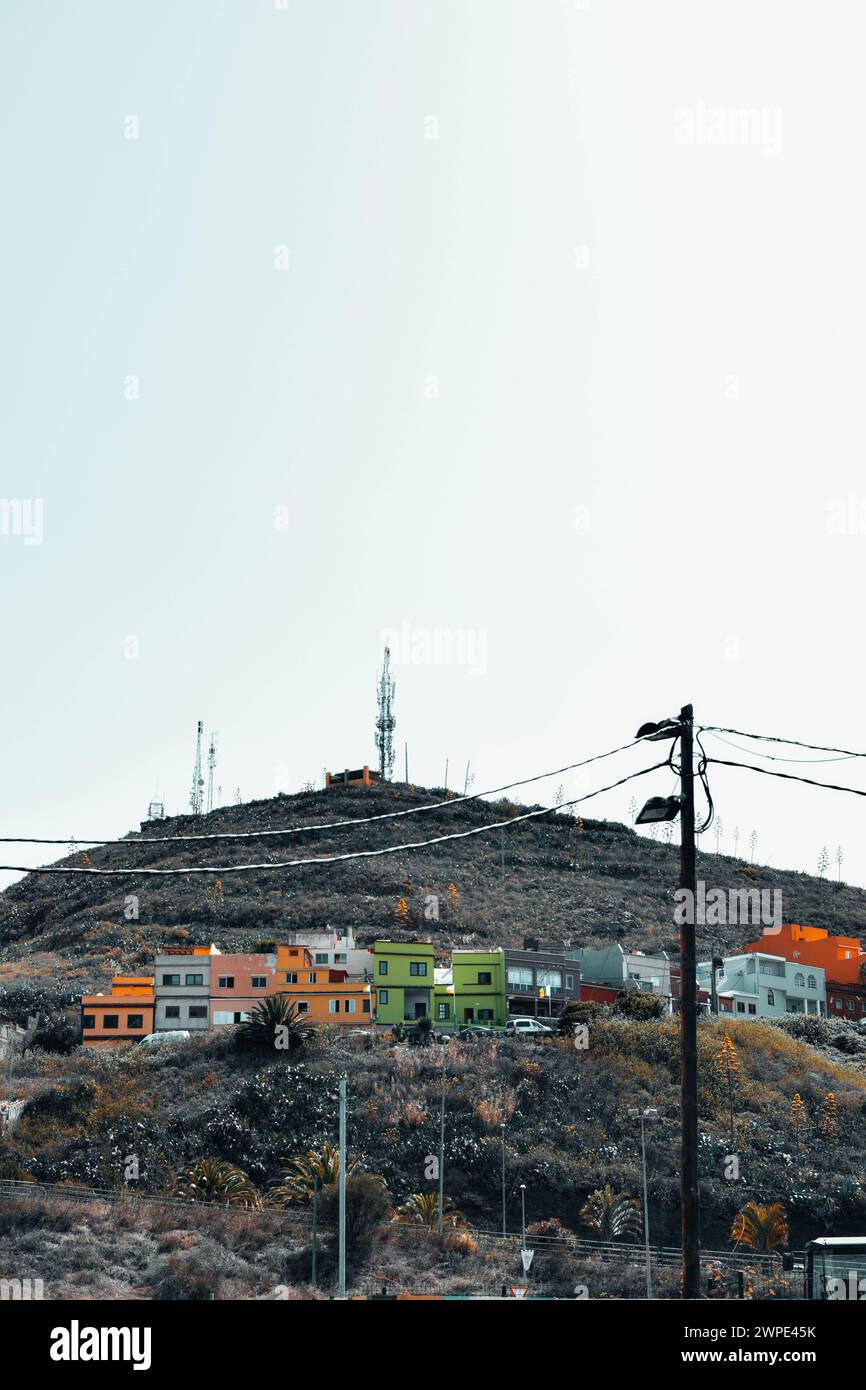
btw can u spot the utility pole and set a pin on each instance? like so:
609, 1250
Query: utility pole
315, 1222
689, 1194
646, 1114
504, 1232
442, 1145
406, 755
341, 1275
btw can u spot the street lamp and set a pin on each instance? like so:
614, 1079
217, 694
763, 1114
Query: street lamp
660, 808
648, 1113
523, 1216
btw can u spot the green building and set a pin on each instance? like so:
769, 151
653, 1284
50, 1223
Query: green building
478, 989
403, 975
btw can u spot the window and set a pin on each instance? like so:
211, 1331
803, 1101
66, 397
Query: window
417, 967
302, 1006
365, 1006
741, 1008
485, 977
812, 983
752, 1008
135, 1020
88, 1021
110, 1021
290, 979
172, 1010
222, 1017
171, 979
520, 976
771, 998
383, 996
383, 967
340, 957
195, 979
321, 958
850, 1006
569, 982
312, 977
485, 1015
258, 981
799, 980
333, 1006
442, 1011
224, 982
198, 1011
349, 1006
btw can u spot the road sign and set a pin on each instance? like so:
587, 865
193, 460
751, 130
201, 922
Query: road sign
519, 1290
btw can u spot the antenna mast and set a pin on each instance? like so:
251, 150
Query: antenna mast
211, 764
386, 723
196, 795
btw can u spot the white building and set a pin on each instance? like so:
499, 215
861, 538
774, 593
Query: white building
337, 952
758, 985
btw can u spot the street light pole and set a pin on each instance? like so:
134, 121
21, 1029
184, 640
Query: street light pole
502, 1127
643, 1115
341, 1264
442, 1145
523, 1216
689, 1194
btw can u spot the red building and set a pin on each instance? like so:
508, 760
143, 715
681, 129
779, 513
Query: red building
846, 1001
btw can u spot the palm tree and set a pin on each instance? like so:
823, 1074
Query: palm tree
763, 1229
275, 1023
611, 1214
317, 1168
422, 1209
216, 1180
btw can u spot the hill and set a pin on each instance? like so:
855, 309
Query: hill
555, 877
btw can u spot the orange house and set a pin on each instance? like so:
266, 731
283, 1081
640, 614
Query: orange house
323, 994
124, 1015
838, 956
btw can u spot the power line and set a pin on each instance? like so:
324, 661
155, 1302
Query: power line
772, 738
776, 757
789, 776
324, 825
328, 858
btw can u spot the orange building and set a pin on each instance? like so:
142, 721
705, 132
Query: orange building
838, 956
360, 777
124, 1015
323, 994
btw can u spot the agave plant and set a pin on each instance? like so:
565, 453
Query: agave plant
215, 1180
275, 1024
422, 1209
763, 1229
318, 1167
611, 1214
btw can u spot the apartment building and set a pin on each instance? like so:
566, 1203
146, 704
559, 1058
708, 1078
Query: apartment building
125, 1014
840, 957
404, 981
182, 986
238, 983
758, 985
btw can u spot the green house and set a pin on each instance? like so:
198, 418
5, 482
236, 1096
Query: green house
403, 975
478, 987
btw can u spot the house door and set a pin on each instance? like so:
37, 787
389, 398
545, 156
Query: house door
420, 1009
469, 1015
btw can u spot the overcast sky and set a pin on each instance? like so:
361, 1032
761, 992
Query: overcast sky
527, 331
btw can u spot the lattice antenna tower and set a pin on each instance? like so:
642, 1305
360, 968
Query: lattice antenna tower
385, 722
196, 796
211, 765
156, 808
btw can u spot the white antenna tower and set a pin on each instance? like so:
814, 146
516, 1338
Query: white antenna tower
211, 764
385, 721
196, 795
237, 796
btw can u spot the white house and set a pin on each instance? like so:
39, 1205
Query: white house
758, 985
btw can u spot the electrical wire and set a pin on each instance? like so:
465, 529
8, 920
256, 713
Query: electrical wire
789, 776
221, 870
775, 757
325, 825
772, 738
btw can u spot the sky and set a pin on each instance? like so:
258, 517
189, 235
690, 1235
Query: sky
524, 335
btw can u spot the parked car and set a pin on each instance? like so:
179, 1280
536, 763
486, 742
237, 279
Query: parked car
172, 1035
475, 1030
527, 1027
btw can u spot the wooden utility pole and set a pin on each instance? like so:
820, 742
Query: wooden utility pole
689, 1194
341, 1196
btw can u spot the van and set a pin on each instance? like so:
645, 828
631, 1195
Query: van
172, 1035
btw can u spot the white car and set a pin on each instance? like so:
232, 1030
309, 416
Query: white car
531, 1026
171, 1035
